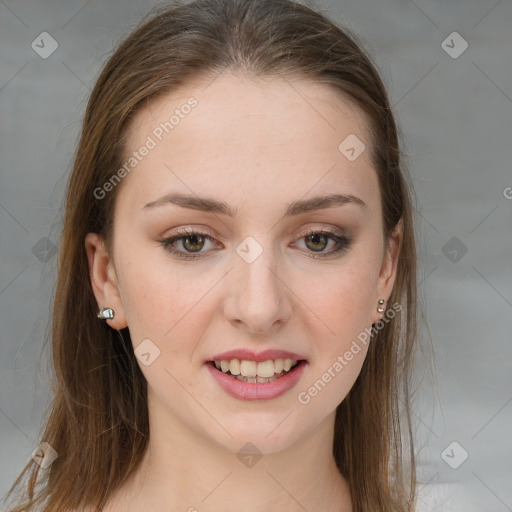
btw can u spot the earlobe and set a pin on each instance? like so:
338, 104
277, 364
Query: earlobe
103, 280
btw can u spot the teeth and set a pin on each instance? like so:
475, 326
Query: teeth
252, 371
248, 368
265, 369
234, 366
259, 379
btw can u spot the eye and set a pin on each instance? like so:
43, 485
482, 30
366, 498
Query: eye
193, 241
317, 240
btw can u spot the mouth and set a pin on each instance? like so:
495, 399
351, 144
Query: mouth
261, 372
264, 379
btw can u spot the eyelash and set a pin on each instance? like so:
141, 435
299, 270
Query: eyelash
343, 242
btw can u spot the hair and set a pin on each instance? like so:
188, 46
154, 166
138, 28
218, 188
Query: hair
98, 420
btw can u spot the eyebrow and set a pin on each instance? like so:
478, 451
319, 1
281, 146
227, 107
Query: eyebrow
214, 206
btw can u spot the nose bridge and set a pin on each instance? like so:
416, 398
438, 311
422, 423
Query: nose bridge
258, 295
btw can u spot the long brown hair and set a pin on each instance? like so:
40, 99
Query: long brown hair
98, 420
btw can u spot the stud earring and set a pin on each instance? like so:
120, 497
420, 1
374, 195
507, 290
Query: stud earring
380, 309
106, 314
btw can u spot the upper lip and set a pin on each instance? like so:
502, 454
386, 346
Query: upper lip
265, 355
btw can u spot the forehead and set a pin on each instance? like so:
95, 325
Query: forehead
260, 138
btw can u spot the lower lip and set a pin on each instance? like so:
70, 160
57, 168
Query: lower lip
257, 390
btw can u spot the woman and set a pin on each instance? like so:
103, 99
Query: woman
235, 313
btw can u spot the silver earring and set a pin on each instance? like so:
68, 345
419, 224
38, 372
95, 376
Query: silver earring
106, 313
380, 309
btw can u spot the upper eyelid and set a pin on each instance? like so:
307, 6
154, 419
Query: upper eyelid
187, 231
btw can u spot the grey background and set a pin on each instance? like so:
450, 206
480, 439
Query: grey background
456, 118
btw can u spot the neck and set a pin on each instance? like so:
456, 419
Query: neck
186, 470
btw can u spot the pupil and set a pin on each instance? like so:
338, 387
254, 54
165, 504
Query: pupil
194, 240
315, 237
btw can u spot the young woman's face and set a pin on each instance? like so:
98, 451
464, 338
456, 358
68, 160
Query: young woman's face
258, 268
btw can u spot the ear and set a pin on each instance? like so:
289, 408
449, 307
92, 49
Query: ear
104, 280
388, 269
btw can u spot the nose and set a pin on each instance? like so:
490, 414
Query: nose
258, 298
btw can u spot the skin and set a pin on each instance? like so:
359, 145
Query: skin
257, 144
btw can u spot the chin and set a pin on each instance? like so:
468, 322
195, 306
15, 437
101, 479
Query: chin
265, 434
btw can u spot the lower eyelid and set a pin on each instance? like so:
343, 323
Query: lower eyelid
341, 244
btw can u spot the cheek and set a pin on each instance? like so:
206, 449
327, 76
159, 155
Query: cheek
343, 299
341, 339
154, 300
169, 306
